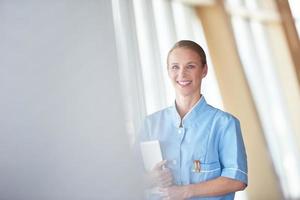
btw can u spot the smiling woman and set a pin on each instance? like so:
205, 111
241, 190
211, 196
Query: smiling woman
202, 146
186, 68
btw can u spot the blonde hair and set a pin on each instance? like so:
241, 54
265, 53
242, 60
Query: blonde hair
189, 45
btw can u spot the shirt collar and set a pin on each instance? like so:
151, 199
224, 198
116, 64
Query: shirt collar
189, 118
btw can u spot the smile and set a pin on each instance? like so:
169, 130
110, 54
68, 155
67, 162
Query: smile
184, 83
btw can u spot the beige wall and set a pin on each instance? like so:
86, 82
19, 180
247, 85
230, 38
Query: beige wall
263, 183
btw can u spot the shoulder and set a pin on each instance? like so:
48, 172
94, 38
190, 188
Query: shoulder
226, 117
154, 121
221, 117
226, 125
158, 115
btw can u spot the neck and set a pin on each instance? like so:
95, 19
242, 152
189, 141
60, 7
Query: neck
185, 103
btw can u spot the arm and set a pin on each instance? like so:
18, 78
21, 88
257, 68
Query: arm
216, 187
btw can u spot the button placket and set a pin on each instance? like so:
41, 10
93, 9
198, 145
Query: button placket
180, 131
181, 134
174, 162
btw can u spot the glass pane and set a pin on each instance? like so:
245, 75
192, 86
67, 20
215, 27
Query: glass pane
256, 57
295, 8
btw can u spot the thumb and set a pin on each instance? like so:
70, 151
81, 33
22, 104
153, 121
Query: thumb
160, 165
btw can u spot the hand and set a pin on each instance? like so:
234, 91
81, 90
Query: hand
174, 193
161, 176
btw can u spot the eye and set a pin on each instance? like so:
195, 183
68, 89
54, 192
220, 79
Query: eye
190, 66
174, 67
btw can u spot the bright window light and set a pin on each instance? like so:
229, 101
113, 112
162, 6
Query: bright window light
154, 86
256, 57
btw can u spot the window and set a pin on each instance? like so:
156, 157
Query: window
159, 25
251, 30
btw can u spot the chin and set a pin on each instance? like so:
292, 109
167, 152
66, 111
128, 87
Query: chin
184, 93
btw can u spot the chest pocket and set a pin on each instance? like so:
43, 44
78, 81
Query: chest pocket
207, 172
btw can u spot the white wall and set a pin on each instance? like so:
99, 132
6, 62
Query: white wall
61, 123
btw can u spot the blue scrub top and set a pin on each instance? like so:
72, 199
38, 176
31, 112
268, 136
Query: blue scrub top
208, 135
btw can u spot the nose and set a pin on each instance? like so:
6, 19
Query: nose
182, 72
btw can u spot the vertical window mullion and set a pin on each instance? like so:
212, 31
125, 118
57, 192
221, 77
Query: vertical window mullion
150, 57
166, 36
129, 66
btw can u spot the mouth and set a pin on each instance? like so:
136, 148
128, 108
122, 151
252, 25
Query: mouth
184, 83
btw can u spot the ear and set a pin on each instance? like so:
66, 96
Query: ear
205, 70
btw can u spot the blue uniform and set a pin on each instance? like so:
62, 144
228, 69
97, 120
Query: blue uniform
207, 136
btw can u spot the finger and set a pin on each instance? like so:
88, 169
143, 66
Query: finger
166, 173
169, 182
166, 176
163, 191
164, 196
166, 170
166, 183
159, 165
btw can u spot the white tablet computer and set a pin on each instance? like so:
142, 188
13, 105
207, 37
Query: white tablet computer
151, 154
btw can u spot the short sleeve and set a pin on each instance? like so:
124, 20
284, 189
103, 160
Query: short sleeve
232, 151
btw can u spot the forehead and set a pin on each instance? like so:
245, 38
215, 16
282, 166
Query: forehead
184, 54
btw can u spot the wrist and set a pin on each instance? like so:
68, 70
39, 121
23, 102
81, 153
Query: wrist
188, 191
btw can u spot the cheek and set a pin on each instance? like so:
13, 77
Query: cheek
171, 75
198, 76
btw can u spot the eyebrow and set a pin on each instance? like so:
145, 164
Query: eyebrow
192, 62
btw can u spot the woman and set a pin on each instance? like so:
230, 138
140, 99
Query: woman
202, 146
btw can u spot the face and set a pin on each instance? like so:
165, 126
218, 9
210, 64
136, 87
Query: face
186, 71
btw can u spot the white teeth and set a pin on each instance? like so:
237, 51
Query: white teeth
184, 83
